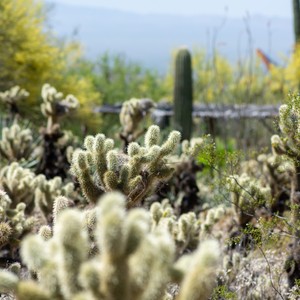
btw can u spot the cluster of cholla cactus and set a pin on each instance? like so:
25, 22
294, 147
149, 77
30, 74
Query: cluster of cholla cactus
54, 159
276, 173
34, 191
14, 224
19, 183
209, 220
101, 168
184, 230
55, 245
55, 105
188, 229
133, 261
133, 112
248, 194
182, 188
46, 191
17, 144
289, 123
12, 97
288, 146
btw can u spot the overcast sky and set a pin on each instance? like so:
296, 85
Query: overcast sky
236, 8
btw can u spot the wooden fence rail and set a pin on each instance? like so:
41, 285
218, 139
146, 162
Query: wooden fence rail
221, 120
213, 111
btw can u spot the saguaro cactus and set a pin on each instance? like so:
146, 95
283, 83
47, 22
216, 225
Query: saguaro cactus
183, 93
296, 10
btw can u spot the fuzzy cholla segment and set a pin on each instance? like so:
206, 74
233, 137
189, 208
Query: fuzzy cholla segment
23, 186
134, 261
19, 183
16, 143
132, 113
13, 96
247, 195
185, 230
289, 116
55, 105
53, 102
48, 190
13, 222
100, 168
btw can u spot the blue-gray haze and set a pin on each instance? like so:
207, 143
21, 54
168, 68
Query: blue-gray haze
149, 38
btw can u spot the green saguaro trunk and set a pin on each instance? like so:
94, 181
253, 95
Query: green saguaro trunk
296, 9
183, 94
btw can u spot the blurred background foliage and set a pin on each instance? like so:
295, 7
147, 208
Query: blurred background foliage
30, 55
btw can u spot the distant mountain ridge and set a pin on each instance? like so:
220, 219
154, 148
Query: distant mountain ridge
150, 38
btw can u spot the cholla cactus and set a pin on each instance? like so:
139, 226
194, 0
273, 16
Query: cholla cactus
19, 183
289, 143
288, 146
100, 168
56, 150
247, 195
188, 230
211, 217
13, 222
253, 167
17, 143
289, 125
56, 143
12, 97
132, 113
182, 188
23, 186
133, 262
55, 106
48, 190
276, 173
67, 143
200, 268
184, 230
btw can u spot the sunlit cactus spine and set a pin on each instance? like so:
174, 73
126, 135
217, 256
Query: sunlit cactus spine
183, 93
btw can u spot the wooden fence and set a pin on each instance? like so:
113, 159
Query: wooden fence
206, 111
250, 125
